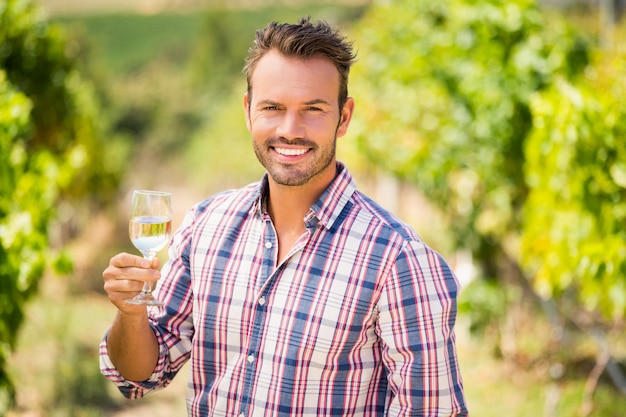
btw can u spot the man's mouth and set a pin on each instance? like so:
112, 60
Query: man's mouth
291, 152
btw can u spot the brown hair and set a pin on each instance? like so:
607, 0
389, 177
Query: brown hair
303, 40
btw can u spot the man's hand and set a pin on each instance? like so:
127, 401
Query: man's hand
131, 343
124, 278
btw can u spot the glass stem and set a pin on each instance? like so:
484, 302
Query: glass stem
148, 286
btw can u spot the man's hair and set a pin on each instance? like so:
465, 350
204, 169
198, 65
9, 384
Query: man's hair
303, 40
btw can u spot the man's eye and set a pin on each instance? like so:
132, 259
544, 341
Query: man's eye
313, 108
270, 108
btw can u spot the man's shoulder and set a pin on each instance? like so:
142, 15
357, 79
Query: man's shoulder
396, 235
230, 199
375, 213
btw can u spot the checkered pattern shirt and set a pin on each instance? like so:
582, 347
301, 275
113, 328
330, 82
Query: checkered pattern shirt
356, 321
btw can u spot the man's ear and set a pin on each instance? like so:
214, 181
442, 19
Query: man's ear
246, 110
345, 116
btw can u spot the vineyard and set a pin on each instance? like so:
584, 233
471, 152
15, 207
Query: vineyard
492, 127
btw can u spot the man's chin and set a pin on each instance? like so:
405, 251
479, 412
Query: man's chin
290, 180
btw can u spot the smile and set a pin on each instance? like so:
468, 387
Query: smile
291, 152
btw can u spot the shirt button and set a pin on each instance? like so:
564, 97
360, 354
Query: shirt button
268, 245
250, 358
262, 301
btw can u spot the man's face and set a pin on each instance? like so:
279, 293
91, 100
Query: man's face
294, 118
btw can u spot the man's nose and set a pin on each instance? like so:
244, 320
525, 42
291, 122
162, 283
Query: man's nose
291, 125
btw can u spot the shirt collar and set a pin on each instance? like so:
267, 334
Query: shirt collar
327, 209
332, 202
259, 205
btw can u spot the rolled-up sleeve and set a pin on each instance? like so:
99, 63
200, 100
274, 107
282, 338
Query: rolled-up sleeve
136, 389
172, 324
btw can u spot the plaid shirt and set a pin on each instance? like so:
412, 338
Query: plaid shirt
356, 321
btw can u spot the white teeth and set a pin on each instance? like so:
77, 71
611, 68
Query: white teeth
291, 152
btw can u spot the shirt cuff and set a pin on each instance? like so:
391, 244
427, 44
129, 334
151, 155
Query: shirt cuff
135, 389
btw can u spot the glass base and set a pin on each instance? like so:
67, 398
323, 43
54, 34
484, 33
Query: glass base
144, 299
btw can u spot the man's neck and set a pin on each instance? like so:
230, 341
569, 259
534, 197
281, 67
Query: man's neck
287, 206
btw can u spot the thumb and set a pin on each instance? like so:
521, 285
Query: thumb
156, 263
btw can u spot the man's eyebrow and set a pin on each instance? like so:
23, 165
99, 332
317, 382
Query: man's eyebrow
270, 102
317, 101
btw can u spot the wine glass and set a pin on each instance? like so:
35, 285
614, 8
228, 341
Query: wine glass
149, 229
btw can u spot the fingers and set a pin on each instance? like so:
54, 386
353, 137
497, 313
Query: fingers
125, 275
125, 260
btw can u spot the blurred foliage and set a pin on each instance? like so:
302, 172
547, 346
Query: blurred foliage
574, 236
139, 64
125, 43
51, 149
445, 104
14, 110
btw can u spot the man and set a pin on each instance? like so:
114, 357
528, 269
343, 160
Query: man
296, 295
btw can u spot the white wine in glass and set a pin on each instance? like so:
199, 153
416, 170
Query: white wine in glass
149, 229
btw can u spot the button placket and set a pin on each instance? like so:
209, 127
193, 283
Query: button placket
270, 274
266, 274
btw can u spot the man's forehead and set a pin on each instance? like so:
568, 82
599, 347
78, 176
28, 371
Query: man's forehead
315, 77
